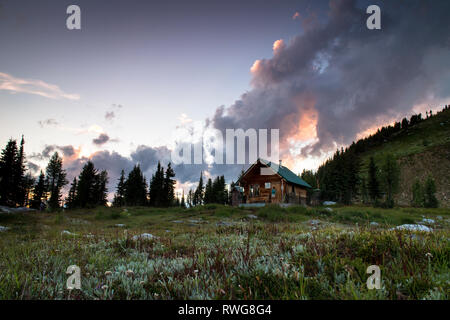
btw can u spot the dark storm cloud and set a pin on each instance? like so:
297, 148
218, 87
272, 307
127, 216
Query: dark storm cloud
352, 76
101, 139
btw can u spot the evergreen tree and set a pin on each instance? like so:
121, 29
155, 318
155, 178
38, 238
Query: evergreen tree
55, 180
391, 178
373, 184
71, 197
199, 192
39, 192
182, 203
135, 188
209, 195
119, 197
157, 187
430, 200
28, 184
417, 195
7, 173
190, 198
169, 187
309, 177
19, 185
364, 191
86, 195
101, 190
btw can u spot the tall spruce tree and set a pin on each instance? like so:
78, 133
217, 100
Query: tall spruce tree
157, 187
19, 176
430, 200
71, 197
39, 192
209, 194
86, 196
169, 187
101, 189
119, 197
7, 173
136, 188
183, 202
190, 198
28, 184
418, 197
391, 178
373, 184
199, 192
55, 180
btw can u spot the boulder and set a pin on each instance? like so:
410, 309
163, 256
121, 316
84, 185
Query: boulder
413, 227
144, 236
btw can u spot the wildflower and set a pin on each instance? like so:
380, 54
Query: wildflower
130, 273
104, 287
428, 255
142, 283
195, 271
108, 273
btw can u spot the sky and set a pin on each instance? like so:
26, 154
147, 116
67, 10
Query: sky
116, 90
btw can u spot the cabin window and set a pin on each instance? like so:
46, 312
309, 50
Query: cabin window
274, 191
267, 185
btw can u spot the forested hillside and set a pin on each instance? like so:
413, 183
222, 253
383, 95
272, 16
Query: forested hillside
420, 147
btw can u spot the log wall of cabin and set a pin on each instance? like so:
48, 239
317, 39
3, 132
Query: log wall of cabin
254, 177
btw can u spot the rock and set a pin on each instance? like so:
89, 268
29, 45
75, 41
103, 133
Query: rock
65, 232
2, 228
177, 221
120, 225
5, 209
144, 236
428, 221
413, 227
439, 217
252, 216
329, 203
329, 209
373, 223
195, 221
314, 222
224, 224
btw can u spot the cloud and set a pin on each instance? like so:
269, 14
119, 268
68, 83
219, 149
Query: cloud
34, 168
47, 152
110, 115
101, 139
33, 86
48, 122
336, 78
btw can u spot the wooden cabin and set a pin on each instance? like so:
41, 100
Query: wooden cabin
267, 182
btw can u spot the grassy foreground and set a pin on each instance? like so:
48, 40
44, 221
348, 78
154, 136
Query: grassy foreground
217, 252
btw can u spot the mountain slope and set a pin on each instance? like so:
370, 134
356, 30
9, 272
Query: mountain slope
421, 150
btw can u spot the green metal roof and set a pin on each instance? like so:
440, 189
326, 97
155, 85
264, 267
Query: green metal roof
286, 173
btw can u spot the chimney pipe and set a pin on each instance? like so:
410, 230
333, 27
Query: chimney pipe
280, 162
